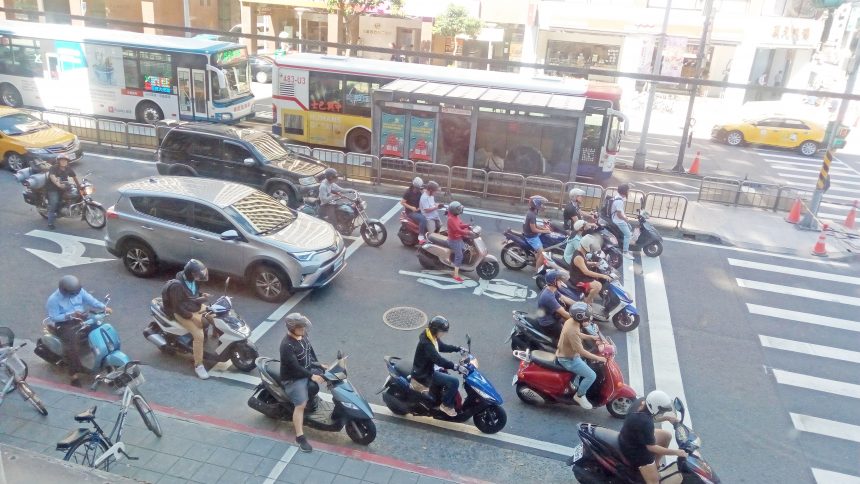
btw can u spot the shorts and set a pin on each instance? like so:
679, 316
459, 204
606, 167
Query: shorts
586, 286
297, 391
639, 458
535, 242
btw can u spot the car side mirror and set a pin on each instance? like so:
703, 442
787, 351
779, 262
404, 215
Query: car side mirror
230, 235
249, 162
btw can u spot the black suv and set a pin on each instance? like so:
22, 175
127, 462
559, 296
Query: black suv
240, 155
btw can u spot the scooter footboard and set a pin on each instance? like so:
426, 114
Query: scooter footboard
116, 359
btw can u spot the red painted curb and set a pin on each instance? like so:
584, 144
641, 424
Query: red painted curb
246, 429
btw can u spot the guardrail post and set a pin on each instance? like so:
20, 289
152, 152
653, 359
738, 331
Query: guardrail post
127, 136
98, 133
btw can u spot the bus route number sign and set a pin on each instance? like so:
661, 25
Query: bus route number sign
291, 79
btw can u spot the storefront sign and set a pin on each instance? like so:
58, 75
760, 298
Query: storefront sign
791, 32
673, 56
421, 139
392, 134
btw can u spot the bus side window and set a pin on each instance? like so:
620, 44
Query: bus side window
357, 98
294, 124
326, 92
131, 68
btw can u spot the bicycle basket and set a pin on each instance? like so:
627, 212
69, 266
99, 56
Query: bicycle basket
118, 380
7, 337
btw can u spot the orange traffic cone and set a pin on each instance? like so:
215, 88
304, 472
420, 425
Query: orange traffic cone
820, 249
852, 216
694, 168
794, 214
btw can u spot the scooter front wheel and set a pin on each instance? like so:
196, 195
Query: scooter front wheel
243, 355
488, 270
95, 216
625, 321
653, 249
361, 431
491, 420
619, 407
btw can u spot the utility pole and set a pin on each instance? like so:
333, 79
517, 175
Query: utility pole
703, 47
641, 150
186, 12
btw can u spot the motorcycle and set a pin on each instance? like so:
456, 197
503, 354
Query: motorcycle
517, 253
72, 204
645, 237
540, 379
348, 409
483, 404
226, 338
610, 247
13, 371
408, 232
435, 254
598, 459
102, 351
351, 213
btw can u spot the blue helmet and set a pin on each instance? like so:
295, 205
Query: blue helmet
536, 202
552, 277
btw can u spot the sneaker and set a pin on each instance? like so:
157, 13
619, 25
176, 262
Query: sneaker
75, 380
201, 372
51, 226
421, 240
582, 401
448, 411
628, 256
304, 445
458, 278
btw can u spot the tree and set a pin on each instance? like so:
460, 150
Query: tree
348, 12
455, 20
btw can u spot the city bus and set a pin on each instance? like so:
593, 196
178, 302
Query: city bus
325, 100
126, 75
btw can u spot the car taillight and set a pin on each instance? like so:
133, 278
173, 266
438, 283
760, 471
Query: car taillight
111, 213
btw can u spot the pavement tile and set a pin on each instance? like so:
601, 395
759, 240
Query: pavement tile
208, 473
308, 459
9, 423
223, 457
246, 463
330, 462
294, 474
171, 480
168, 445
430, 480
259, 446
278, 450
378, 474
319, 477
354, 468
345, 480
230, 440
124, 470
159, 463
144, 457
147, 476
403, 477
199, 451
265, 466
232, 476
184, 468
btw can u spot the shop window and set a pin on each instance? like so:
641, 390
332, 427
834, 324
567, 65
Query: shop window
326, 92
577, 54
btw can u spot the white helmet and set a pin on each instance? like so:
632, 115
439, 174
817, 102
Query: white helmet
591, 243
417, 182
658, 402
576, 192
578, 225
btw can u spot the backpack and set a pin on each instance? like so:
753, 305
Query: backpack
167, 303
606, 207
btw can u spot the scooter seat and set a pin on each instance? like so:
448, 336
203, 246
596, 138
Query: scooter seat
559, 259
438, 239
273, 369
87, 415
610, 438
403, 368
546, 360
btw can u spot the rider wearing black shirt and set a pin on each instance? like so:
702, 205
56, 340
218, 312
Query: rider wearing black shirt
298, 362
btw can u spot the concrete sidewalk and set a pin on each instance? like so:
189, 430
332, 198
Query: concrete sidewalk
200, 449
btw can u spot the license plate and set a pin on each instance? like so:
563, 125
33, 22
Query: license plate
514, 382
577, 453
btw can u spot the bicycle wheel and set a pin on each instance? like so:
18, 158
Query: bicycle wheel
147, 415
87, 451
31, 397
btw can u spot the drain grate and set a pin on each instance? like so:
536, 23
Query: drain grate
405, 318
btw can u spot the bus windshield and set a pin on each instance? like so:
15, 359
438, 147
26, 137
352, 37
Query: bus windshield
234, 64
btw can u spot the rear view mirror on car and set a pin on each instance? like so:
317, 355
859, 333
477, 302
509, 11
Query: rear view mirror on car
230, 235
249, 162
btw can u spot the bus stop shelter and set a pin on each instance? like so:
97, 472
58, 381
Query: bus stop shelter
494, 129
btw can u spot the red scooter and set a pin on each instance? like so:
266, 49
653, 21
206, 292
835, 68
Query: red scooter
408, 232
540, 379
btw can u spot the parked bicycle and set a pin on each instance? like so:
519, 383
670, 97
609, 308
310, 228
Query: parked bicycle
13, 371
92, 447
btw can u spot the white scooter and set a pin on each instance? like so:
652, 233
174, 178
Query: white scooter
226, 338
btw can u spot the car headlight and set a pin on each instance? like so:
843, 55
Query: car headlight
38, 151
76, 143
303, 256
306, 181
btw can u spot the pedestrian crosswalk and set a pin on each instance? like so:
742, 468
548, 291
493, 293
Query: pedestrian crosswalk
802, 172
812, 353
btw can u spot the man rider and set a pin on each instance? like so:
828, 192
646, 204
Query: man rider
573, 209
531, 231
410, 200
640, 442
66, 307
580, 268
427, 355
429, 208
298, 365
570, 353
329, 191
619, 218
58, 179
185, 303
551, 305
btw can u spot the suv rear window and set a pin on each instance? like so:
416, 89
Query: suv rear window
268, 147
177, 141
259, 214
169, 209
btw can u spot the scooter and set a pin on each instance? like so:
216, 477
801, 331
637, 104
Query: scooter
540, 379
645, 237
517, 254
102, 351
435, 254
617, 306
598, 459
408, 232
347, 409
72, 204
226, 338
526, 334
351, 213
610, 247
483, 404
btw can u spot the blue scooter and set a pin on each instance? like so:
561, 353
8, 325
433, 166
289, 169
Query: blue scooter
482, 404
102, 352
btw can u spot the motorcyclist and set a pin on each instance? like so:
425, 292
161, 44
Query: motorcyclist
580, 268
573, 210
410, 200
186, 304
619, 218
429, 208
427, 355
329, 191
640, 442
66, 307
573, 242
58, 183
456, 231
531, 231
300, 371
570, 353
551, 306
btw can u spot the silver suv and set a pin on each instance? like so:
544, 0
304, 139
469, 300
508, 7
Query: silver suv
233, 229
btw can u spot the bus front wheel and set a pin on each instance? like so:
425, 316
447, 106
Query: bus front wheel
149, 112
10, 96
358, 141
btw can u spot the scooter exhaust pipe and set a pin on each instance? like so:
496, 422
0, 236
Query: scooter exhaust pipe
156, 339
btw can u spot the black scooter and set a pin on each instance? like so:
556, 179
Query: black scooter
347, 409
648, 239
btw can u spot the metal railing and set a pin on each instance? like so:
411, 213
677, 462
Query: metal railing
666, 206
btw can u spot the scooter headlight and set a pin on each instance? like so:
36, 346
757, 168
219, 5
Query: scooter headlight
486, 396
349, 405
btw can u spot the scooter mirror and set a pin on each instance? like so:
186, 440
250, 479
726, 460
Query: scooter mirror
339, 355
226, 285
468, 342
679, 407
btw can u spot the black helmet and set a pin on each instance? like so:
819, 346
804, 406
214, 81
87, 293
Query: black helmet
623, 189
552, 277
580, 312
330, 174
195, 271
432, 186
69, 286
439, 323
455, 208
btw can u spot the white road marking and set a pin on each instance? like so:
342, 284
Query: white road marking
72, 249
799, 292
811, 182
811, 179
281, 465
110, 157
676, 192
823, 426
758, 252
829, 477
809, 382
667, 372
814, 170
809, 349
496, 288
835, 159
800, 317
634, 352
801, 163
826, 276
457, 427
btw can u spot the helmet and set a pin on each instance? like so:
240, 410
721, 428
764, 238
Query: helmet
195, 271
439, 323
590, 243
296, 320
330, 174
623, 189
552, 277
417, 182
576, 192
455, 208
536, 202
432, 186
658, 402
69, 286
578, 225
580, 312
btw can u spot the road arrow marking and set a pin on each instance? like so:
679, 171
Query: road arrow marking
72, 249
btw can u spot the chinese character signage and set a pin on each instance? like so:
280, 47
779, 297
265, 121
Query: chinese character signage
157, 84
421, 137
392, 135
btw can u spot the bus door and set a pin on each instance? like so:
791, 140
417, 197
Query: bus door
193, 101
615, 129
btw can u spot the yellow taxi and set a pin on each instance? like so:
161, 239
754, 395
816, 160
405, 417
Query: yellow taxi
782, 132
24, 137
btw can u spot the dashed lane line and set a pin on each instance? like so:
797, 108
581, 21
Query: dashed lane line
809, 382
823, 426
759, 252
824, 276
801, 317
799, 292
802, 347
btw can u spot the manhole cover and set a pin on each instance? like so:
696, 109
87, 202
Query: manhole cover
404, 318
